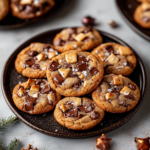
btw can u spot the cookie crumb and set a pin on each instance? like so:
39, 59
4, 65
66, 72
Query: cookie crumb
113, 24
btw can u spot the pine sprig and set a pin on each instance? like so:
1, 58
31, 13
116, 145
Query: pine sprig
4, 124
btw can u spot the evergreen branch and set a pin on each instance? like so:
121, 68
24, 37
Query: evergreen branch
13, 144
2, 145
5, 123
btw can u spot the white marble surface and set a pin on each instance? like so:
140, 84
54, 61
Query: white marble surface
103, 11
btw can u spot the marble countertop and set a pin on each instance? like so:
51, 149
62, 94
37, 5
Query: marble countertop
102, 11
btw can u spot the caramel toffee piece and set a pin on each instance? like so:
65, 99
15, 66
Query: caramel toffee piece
35, 96
27, 9
82, 38
115, 58
143, 144
34, 59
78, 113
116, 94
74, 73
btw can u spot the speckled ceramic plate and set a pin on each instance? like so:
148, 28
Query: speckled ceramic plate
46, 123
127, 8
14, 22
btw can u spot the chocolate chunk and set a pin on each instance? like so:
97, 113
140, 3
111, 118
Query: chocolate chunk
35, 66
72, 112
130, 96
29, 62
80, 116
30, 101
132, 86
32, 53
88, 20
93, 71
72, 30
70, 39
67, 65
21, 8
115, 90
29, 9
58, 79
103, 143
46, 89
146, 19
59, 42
45, 4
77, 85
94, 115
82, 66
40, 82
86, 108
88, 29
142, 144
82, 59
54, 66
86, 39
109, 49
127, 63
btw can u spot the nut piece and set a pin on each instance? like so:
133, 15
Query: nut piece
71, 58
81, 76
110, 96
87, 82
112, 59
33, 94
79, 37
51, 55
77, 102
29, 83
25, 2
64, 107
64, 72
117, 80
43, 100
112, 23
41, 57
35, 87
126, 91
21, 92
125, 50
51, 97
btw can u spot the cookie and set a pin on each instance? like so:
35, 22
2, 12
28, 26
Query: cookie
4, 9
74, 73
34, 59
35, 96
27, 9
78, 113
142, 14
116, 94
82, 38
115, 58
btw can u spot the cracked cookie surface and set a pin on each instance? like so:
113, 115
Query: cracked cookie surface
74, 73
33, 60
116, 94
142, 14
78, 113
35, 96
82, 38
115, 58
4, 8
27, 9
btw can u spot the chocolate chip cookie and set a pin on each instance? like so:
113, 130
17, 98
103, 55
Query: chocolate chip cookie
34, 59
78, 113
142, 14
116, 94
82, 38
74, 73
27, 9
4, 9
35, 96
116, 58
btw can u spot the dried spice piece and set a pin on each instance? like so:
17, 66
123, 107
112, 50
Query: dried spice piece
103, 143
30, 147
142, 144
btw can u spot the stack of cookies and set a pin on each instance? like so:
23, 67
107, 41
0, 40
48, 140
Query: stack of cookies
73, 73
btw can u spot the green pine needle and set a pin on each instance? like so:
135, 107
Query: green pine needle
13, 144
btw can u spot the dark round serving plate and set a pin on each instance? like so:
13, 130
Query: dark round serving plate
14, 22
127, 8
46, 123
